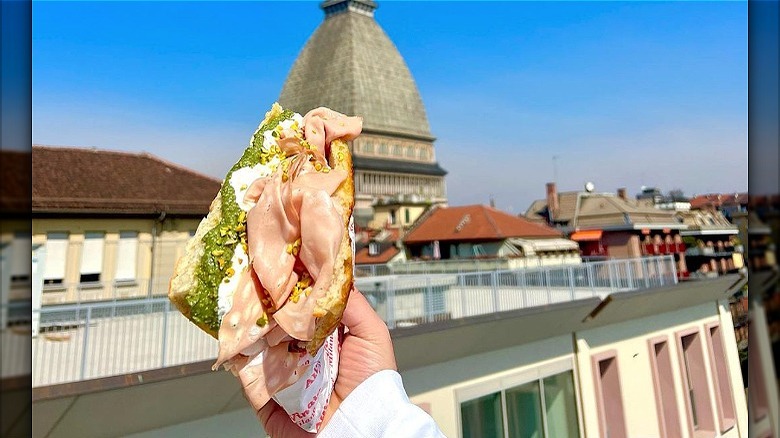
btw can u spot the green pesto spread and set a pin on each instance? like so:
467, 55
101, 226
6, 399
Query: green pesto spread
220, 242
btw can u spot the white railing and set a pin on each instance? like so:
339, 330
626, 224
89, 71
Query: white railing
457, 266
403, 300
78, 342
15, 339
86, 341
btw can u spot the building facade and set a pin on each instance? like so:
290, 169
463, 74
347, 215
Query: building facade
619, 372
712, 245
111, 225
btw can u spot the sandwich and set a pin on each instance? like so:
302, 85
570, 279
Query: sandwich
269, 269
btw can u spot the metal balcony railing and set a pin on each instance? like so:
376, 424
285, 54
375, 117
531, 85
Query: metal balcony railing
457, 266
90, 340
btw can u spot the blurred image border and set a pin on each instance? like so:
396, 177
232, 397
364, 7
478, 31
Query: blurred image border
763, 209
15, 207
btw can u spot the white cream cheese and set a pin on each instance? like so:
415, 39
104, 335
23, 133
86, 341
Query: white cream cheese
295, 123
240, 262
242, 178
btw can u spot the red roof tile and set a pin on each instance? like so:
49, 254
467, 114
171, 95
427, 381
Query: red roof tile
72, 180
362, 257
717, 200
475, 222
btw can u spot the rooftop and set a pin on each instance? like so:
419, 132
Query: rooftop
386, 251
718, 200
93, 181
350, 65
592, 210
706, 222
476, 222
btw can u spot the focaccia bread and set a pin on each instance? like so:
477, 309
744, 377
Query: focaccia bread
298, 171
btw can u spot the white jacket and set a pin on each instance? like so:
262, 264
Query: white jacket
379, 407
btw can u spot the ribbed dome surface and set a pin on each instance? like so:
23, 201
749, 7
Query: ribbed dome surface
350, 65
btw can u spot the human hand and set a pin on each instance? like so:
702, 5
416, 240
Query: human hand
366, 349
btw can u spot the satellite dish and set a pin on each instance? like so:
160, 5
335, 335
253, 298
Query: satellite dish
589, 187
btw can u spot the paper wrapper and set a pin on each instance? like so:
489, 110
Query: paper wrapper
306, 400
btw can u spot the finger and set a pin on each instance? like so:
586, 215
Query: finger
277, 423
361, 320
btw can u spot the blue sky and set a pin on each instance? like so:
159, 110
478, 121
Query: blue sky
624, 94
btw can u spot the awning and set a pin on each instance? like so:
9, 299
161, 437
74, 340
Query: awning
533, 246
585, 235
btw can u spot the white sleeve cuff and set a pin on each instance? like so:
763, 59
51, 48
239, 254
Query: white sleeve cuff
379, 407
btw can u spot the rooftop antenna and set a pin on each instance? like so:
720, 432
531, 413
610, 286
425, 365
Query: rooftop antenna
589, 187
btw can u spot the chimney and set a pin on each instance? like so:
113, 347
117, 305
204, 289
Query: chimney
621, 192
552, 200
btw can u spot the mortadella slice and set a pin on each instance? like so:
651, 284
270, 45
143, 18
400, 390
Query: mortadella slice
269, 231
321, 234
239, 328
323, 125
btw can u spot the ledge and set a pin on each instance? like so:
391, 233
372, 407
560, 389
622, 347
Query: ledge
120, 381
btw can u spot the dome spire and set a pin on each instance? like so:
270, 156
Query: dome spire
334, 7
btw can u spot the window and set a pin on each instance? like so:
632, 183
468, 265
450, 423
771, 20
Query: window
383, 149
126, 256
540, 408
609, 395
56, 257
368, 147
524, 411
478, 249
560, 407
373, 248
91, 257
721, 381
397, 151
410, 152
406, 215
663, 380
694, 374
21, 253
482, 417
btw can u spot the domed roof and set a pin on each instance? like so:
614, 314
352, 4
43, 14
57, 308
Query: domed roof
350, 65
